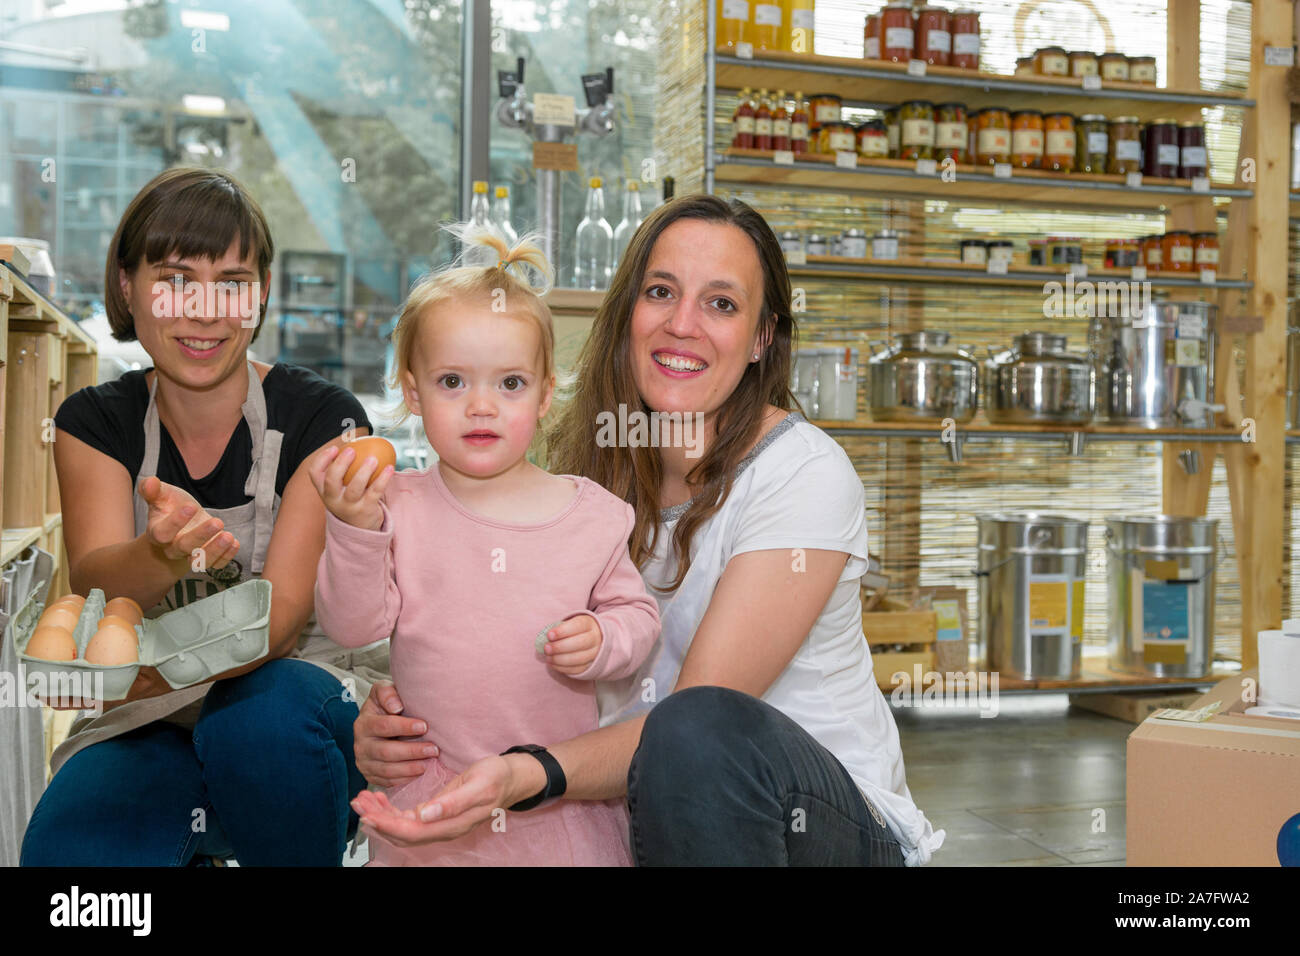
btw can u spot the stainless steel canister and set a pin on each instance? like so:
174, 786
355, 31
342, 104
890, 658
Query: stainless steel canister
1161, 587
1031, 575
1038, 381
919, 379
1157, 369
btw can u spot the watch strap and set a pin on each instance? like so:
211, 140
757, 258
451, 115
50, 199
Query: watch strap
556, 783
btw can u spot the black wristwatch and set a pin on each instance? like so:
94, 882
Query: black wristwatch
555, 782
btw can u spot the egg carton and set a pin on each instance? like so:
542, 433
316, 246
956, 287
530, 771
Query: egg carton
187, 645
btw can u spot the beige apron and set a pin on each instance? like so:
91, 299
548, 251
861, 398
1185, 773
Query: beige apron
251, 524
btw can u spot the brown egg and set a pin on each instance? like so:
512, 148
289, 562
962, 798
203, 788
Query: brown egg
60, 615
112, 646
370, 446
124, 607
74, 601
117, 619
52, 644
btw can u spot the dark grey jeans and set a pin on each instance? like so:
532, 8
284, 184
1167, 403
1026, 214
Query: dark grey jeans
723, 779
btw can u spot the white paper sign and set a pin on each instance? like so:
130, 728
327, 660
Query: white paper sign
1092, 82
1139, 274
997, 267
552, 109
916, 68
926, 167
1079, 270
783, 157
745, 51
796, 257
1002, 171
1200, 184
846, 159
1279, 56
1209, 277
1133, 180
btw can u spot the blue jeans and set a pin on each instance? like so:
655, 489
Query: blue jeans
723, 779
266, 776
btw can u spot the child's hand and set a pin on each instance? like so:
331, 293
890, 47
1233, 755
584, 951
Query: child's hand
572, 645
356, 503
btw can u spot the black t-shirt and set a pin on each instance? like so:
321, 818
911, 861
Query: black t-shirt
307, 409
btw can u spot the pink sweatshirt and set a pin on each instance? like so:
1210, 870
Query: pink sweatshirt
464, 597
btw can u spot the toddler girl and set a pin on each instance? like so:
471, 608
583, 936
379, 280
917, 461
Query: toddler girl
467, 563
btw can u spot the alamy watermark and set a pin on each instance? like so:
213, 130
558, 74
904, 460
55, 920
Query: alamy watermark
221, 300
953, 689
1087, 299
638, 429
35, 687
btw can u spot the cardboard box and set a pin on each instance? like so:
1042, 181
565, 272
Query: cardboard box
1214, 793
1132, 707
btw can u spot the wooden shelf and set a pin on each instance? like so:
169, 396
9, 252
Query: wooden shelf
29, 309
980, 428
13, 541
895, 177
958, 273
575, 300
876, 82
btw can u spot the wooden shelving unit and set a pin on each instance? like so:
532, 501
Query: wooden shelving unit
980, 427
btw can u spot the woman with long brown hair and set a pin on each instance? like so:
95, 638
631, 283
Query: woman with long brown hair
755, 732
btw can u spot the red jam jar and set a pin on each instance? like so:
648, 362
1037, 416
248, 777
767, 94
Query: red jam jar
896, 33
933, 36
966, 39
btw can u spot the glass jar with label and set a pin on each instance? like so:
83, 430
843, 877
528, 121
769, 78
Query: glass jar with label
1193, 160
1092, 143
826, 108
1001, 250
1205, 249
765, 27
798, 34
1051, 61
966, 39
916, 133
1064, 250
974, 252
871, 37
884, 244
1161, 149
950, 133
835, 138
1142, 69
733, 21
853, 244
1038, 252
992, 136
1125, 146
891, 130
1113, 66
1177, 252
799, 125
1025, 66
1082, 63
1059, 142
873, 140
1122, 253
1027, 139
1151, 253
896, 34
816, 244
933, 36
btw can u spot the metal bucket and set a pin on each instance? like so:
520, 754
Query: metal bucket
1031, 571
1161, 587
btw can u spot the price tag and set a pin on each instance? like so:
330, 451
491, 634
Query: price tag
1092, 82
1139, 274
745, 51
552, 109
846, 159
1133, 180
1209, 277
916, 68
1079, 270
997, 267
1279, 56
926, 167
783, 157
1200, 184
1002, 171
796, 257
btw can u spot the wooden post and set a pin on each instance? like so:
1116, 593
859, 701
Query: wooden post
26, 407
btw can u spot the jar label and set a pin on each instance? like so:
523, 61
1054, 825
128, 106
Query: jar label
950, 135
872, 48
873, 146
974, 255
1154, 257
967, 44
1207, 256
897, 38
993, 142
841, 140
1143, 73
1114, 71
735, 9
1082, 67
892, 137
1054, 64
1098, 143
827, 113
1180, 253
763, 127
918, 132
767, 15
1060, 142
1027, 141
801, 19
1128, 149
1167, 154
744, 124
1194, 157
940, 40
798, 130
884, 248
781, 128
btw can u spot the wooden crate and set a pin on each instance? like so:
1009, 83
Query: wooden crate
1134, 708
894, 624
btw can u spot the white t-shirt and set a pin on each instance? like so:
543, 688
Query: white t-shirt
797, 489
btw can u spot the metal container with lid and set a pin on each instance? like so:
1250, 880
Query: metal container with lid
1161, 594
1031, 594
853, 244
919, 379
1038, 381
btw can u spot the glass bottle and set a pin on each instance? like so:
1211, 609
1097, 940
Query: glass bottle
763, 122
480, 255
632, 218
593, 243
501, 216
799, 124
780, 122
744, 121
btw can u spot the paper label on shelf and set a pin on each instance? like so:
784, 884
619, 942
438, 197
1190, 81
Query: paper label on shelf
783, 157
1092, 82
915, 67
1002, 171
745, 51
940, 40
1279, 56
735, 10
1138, 274
1200, 184
1133, 180
796, 257
926, 167
997, 267
552, 109
1209, 277
767, 15
846, 159
562, 156
966, 43
1079, 270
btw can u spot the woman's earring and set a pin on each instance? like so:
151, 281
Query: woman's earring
755, 358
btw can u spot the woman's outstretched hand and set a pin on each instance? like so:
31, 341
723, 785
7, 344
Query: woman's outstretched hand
178, 527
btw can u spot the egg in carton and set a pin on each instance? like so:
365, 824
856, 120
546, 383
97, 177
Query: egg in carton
188, 645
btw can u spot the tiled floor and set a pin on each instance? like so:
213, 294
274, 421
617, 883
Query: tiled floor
1040, 784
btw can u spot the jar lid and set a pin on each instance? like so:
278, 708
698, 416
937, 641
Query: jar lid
1049, 49
789, 234
1112, 54
972, 242
923, 339
886, 234
899, 6
1124, 119
1059, 113
1177, 232
1092, 118
1063, 239
944, 106
1191, 124
928, 103
931, 8
878, 125
1027, 113
991, 109
826, 96
1141, 59
816, 237
1164, 121
1039, 343
1082, 53
854, 233
1038, 242
1000, 243
1205, 235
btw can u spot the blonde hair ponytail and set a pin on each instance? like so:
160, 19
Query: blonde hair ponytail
526, 257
